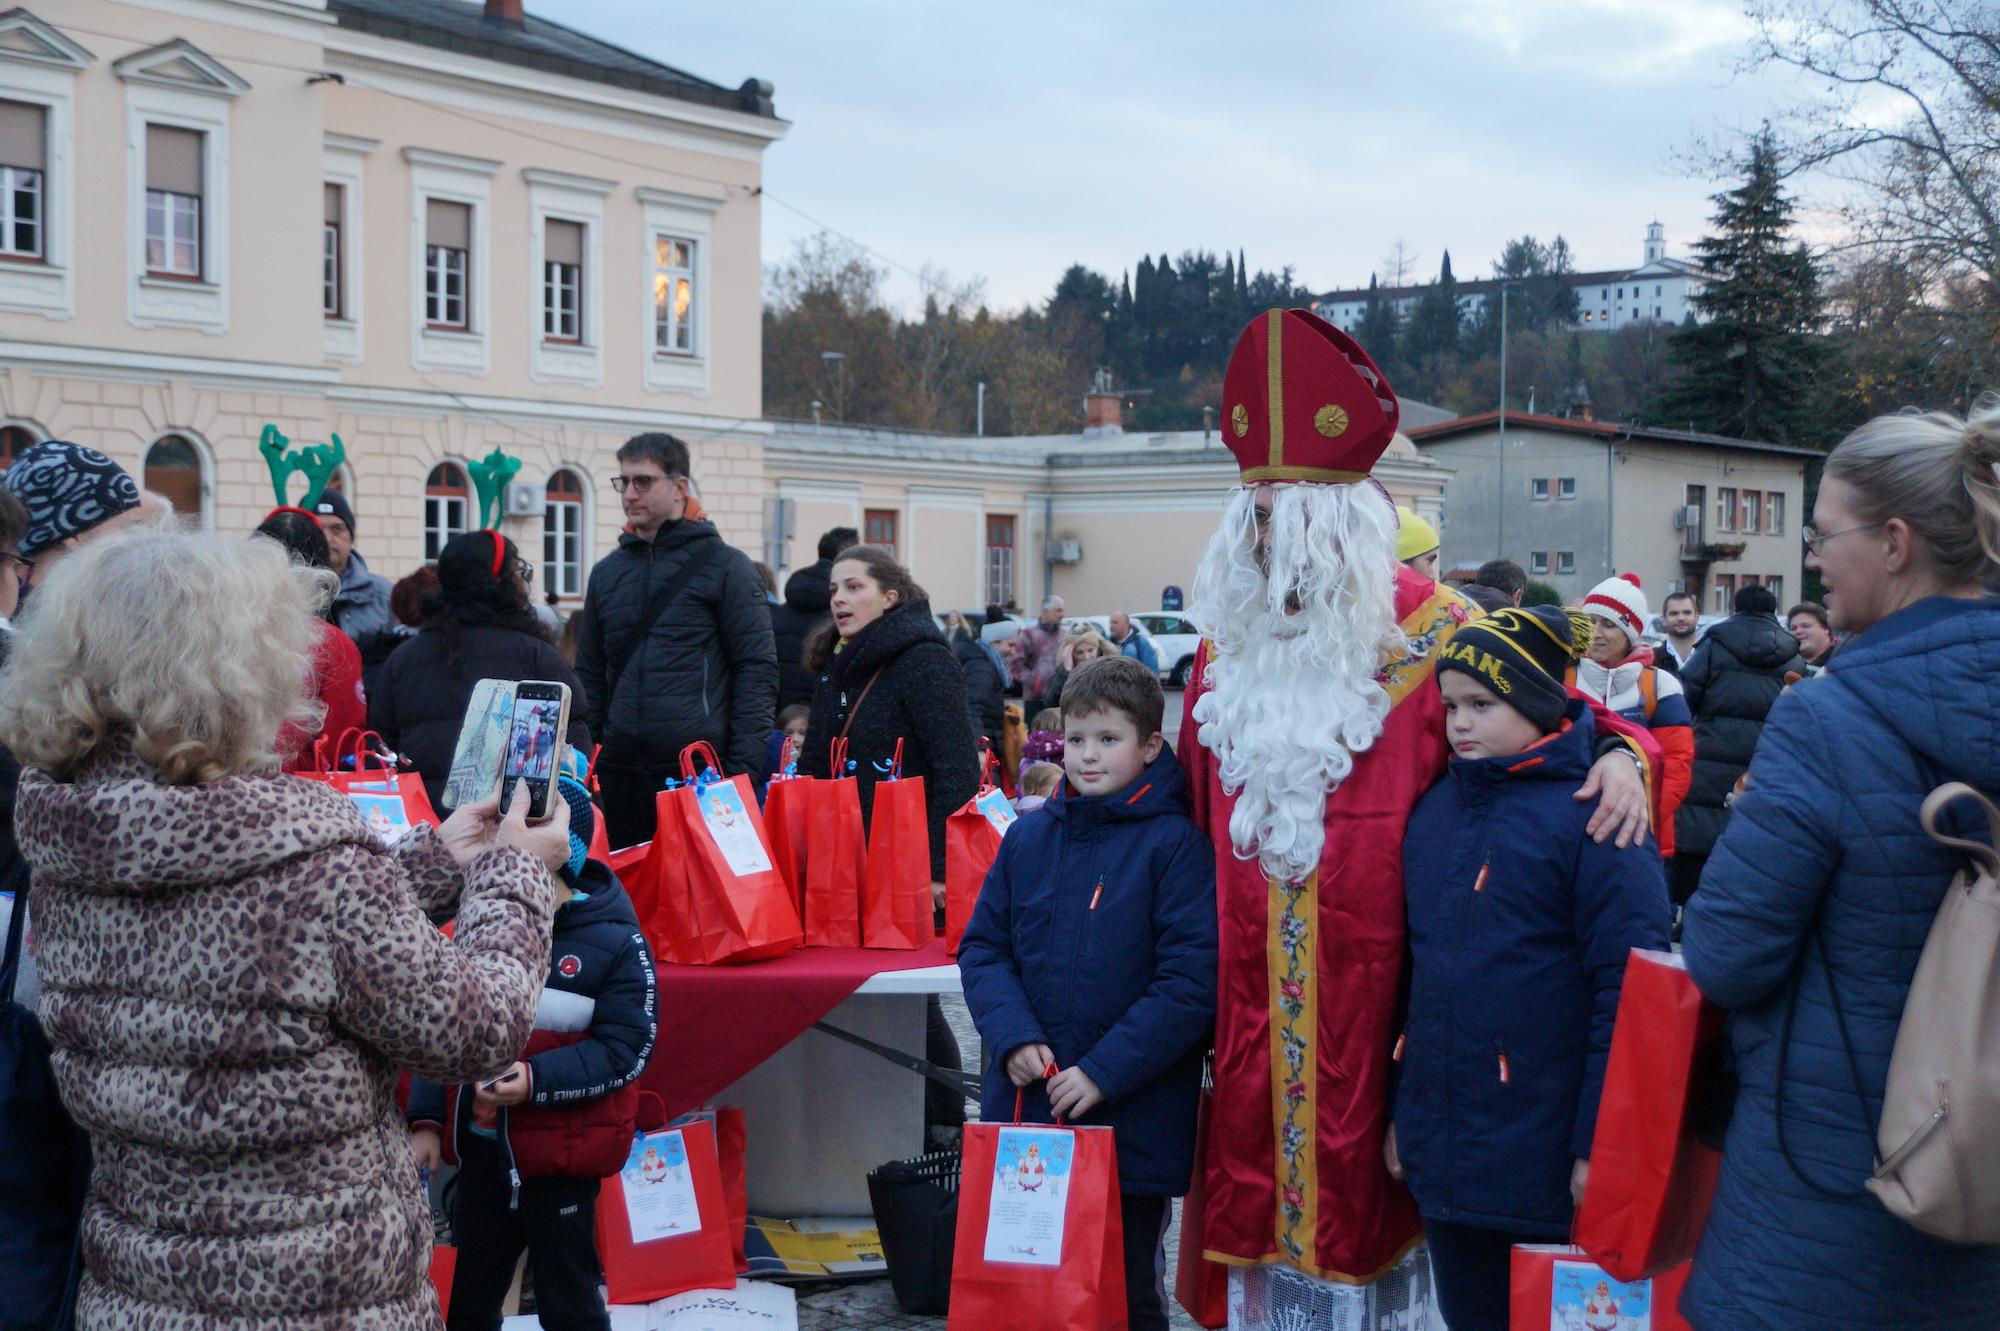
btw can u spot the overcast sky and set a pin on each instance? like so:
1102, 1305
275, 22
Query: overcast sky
1006, 141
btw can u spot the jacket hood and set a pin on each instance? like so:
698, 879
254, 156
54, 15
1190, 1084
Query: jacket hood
355, 577
1926, 671
1161, 789
673, 535
1758, 641
900, 629
604, 901
1563, 756
118, 828
810, 590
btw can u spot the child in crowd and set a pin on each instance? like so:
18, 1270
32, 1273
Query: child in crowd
791, 724
1519, 926
1044, 743
532, 1143
1618, 671
1037, 784
1116, 884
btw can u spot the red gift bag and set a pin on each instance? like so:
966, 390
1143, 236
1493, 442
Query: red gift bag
787, 816
896, 907
1651, 1178
971, 843
732, 1143
1041, 1241
390, 801
838, 860
1200, 1286
1555, 1288
717, 894
662, 1221
444, 1262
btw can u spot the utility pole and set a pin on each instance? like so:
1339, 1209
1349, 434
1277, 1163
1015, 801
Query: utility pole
979, 418
1500, 462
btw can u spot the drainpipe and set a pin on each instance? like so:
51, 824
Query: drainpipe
1048, 555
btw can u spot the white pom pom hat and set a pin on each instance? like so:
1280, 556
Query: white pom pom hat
1621, 601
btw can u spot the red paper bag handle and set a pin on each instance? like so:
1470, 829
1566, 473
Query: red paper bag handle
590, 771
989, 765
896, 761
1020, 1091
702, 749
836, 758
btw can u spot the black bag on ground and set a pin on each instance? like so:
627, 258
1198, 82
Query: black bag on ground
916, 1216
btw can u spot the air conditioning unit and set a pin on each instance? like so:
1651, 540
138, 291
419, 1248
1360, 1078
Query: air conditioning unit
1687, 517
524, 500
1065, 552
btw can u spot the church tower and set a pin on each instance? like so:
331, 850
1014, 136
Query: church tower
1656, 243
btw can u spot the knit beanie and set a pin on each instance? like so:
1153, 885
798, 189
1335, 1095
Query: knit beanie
1619, 601
1414, 536
333, 504
1522, 655
582, 813
67, 489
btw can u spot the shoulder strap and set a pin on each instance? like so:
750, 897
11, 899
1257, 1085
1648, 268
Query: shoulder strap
859, 698
17, 920
663, 600
1649, 690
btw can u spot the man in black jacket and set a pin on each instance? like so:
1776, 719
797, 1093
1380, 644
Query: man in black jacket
675, 644
1731, 681
808, 598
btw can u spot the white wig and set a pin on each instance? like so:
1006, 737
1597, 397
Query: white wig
1296, 642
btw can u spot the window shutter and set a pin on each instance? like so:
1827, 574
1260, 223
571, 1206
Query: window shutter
563, 242
22, 138
448, 224
333, 193
173, 159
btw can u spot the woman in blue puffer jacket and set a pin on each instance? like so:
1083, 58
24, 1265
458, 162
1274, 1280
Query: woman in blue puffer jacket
1824, 882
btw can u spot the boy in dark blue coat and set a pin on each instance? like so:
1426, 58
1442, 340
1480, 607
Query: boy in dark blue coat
532, 1143
1092, 951
1519, 927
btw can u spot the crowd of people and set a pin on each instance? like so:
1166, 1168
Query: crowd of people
1436, 822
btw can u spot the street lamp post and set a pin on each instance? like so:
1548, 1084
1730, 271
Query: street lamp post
1500, 463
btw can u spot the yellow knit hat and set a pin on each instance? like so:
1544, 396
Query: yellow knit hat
1415, 537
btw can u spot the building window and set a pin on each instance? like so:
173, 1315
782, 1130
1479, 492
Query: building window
1753, 512
878, 528
14, 441
1656, 311
23, 163
673, 296
1725, 592
1621, 293
1538, 561
1695, 504
330, 275
1656, 288
1566, 487
447, 504
1538, 487
447, 259
173, 201
1774, 513
173, 471
1000, 560
562, 535
562, 280
1777, 589
1565, 561
1604, 294
1725, 509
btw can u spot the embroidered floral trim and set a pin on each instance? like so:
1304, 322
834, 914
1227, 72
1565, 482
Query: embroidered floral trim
1294, 910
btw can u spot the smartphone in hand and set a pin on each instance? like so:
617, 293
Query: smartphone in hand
536, 737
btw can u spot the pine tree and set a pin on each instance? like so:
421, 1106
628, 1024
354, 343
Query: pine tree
1751, 370
1377, 330
1242, 283
1432, 337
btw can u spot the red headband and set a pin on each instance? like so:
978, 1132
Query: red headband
499, 550
287, 508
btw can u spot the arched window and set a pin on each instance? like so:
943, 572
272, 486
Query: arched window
14, 441
447, 507
174, 470
562, 534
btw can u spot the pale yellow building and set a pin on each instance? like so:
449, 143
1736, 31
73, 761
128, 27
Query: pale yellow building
433, 227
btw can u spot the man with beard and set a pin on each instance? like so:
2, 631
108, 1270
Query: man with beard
1312, 734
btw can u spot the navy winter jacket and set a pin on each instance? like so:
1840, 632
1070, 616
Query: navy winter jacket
594, 1031
1828, 828
1095, 935
1520, 925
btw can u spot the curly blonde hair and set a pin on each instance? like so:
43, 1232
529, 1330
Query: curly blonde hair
193, 645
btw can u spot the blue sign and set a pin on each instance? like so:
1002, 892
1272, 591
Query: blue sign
1170, 598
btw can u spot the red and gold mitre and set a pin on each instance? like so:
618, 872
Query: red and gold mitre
1301, 401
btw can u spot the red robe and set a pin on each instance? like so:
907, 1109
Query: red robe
1309, 984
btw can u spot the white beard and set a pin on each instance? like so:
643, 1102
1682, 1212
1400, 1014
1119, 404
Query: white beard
1292, 695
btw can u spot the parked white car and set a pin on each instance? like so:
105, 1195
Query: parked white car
1174, 638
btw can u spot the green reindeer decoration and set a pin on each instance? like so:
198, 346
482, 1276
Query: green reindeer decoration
317, 462
490, 476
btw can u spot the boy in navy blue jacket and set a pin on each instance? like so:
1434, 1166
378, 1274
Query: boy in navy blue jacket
1092, 951
1519, 926
532, 1143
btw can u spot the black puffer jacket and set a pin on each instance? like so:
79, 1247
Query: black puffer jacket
919, 699
1731, 681
985, 690
808, 601
706, 671
419, 703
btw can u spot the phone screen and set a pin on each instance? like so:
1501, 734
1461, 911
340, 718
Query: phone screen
532, 741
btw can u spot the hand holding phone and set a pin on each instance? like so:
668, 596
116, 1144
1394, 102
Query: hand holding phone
535, 743
547, 841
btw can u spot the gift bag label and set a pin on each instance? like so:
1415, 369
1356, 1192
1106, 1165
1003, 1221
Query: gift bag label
1583, 1298
659, 1188
997, 810
729, 826
384, 813
1024, 1220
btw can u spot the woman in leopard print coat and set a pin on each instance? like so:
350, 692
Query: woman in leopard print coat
232, 968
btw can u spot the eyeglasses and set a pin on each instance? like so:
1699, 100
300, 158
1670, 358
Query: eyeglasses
526, 570
1815, 539
637, 484
8, 557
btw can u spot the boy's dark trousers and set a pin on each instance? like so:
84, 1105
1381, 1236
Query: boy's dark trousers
556, 1220
1472, 1271
1145, 1221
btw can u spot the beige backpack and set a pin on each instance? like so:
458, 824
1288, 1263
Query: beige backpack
1939, 1137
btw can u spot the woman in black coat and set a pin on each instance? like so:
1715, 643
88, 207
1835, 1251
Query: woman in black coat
478, 626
